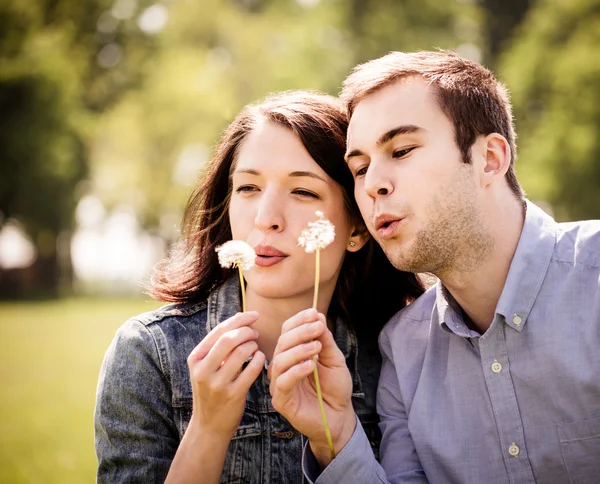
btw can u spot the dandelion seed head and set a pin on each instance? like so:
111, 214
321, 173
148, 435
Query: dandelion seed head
318, 235
236, 253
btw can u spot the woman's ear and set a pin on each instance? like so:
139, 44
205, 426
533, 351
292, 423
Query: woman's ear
359, 237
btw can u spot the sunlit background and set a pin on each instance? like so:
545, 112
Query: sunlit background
108, 110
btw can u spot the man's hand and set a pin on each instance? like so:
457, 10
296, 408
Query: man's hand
293, 386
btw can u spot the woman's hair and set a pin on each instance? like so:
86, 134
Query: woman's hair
369, 289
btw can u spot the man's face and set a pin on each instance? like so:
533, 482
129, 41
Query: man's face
419, 200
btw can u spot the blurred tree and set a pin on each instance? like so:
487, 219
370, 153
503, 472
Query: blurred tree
216, 56
59, 67
501, 18
553, 71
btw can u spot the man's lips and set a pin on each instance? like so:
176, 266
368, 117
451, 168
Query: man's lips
387, 225
267, 256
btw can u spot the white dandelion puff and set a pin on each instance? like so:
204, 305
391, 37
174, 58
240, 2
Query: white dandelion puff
236, 253
318, 235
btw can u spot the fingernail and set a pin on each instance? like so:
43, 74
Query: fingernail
311, 313
252, 314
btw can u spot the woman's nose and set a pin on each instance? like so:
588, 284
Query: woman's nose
269, 216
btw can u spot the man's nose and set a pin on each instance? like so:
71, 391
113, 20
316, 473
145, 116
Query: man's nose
377, 180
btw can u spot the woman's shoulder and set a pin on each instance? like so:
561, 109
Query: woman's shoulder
171, 331
173, 314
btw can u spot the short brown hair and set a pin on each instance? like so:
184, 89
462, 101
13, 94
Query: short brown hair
468, 93
369, 289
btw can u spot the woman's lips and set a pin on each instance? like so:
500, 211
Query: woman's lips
268, 261
267, 256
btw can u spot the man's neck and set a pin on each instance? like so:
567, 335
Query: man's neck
478, 291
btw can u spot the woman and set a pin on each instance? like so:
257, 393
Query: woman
184, 390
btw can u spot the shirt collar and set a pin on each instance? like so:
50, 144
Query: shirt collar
529, 267
525, 276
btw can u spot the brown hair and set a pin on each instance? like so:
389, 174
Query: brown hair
468, 93
368, 286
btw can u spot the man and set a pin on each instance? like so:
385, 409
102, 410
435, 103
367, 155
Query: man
493, 375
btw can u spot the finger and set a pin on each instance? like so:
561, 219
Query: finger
287, 381
292, 357
301, 334
330, 354
237, 321
225, 345
235, 360
249, 374
305, 316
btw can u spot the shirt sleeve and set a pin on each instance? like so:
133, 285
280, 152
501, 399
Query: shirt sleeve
135, 436
398, 454
354, 464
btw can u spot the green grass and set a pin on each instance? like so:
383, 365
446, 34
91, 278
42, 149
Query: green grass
50, 356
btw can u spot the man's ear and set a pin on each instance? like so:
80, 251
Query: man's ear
495, 158
359, 237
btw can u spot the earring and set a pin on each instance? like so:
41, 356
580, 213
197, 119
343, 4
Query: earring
352, 243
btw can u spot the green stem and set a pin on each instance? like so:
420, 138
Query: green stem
242, 287
315, 372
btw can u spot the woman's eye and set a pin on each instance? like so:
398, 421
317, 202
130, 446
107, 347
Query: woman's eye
245, 188
305, 193
402, 153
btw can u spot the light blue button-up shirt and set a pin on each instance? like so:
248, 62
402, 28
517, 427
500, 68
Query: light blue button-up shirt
520, 403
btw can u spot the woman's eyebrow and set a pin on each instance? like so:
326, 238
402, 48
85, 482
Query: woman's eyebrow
249, 171
309, 174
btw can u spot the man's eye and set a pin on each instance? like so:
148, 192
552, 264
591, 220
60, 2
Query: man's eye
402, 153
305, 193
362, 171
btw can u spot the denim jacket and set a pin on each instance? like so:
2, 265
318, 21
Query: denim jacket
144, 399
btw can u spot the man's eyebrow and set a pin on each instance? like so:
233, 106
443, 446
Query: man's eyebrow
400, 130
387, 136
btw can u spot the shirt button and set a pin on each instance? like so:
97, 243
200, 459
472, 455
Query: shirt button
496, 366
517, 319
513, 450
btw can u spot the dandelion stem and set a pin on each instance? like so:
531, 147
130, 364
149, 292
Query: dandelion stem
314, 358
317, 277
243, 291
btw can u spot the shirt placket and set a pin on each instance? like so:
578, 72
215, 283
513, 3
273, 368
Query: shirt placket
496, 369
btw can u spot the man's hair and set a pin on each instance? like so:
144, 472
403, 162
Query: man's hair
468, 93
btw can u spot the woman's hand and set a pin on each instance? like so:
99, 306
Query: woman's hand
219, 385
293, 387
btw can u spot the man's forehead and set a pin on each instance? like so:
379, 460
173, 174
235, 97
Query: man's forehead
405, 102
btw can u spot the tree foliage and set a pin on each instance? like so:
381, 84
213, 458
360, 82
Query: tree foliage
553, 72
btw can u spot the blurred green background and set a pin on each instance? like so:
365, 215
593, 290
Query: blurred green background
108, 109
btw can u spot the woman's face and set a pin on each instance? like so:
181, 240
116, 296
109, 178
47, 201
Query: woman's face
277, 188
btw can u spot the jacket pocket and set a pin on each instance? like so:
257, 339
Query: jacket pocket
580, 444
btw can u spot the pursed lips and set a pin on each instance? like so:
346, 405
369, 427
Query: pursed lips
267, 255
387, 224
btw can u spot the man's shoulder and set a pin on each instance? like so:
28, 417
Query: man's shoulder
416, 316
578, 243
